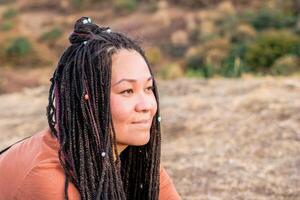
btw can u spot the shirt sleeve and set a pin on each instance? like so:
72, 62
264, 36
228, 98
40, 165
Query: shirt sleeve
167, 188
45, 183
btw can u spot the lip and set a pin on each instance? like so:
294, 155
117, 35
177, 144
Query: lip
142, 124
145, 121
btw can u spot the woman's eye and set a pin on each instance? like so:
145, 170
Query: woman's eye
129, 91
151, 88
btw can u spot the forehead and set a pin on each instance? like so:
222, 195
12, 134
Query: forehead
129, 64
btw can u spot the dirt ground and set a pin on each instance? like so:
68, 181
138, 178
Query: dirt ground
222, 139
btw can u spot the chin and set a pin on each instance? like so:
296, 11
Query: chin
144, 143
140, 140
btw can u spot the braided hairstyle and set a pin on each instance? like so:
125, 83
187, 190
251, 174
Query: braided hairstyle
84, 126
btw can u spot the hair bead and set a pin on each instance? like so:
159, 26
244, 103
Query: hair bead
85, 21
159, 118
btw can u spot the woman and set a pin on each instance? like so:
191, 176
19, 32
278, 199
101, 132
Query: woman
104, 136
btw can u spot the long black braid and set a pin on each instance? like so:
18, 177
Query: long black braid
79, 116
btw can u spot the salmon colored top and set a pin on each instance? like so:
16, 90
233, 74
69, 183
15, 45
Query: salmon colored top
31, 170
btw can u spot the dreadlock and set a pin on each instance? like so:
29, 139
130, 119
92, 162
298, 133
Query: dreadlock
84, 127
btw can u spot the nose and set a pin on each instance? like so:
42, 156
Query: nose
143, 103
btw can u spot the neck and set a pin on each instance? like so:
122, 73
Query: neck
120, 148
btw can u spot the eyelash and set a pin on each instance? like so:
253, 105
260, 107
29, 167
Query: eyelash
131, 91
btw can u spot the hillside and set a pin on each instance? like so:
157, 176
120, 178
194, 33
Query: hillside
181, 38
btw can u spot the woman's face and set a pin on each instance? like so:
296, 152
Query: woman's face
132, 100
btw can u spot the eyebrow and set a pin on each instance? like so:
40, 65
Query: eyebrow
130, 80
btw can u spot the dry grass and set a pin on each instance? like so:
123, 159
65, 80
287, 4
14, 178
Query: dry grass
222, 139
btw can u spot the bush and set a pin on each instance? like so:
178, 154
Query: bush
177, 51
195, 66
171, 71
9, 13
20, 52
234, 65
126, 5
154, 55
6, 26
268, 18
194, 62
205, 71
52, 35
227, 25
270, 46
180, 38
19, 47
243, 32
78, 4
286, 65
297, 27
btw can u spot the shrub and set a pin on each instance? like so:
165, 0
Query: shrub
270, 46
233, 67
176, 51
295, 50
180, 38
78, 4
171, 71
214, 52
194, 73
207, 30
19, 47
297, 27
227, 25
268, 18
195, 66
194, 62
286, 65
52, 35
205, 71
20, 52
243, 32
6, 26
125, 5
215, 57
154, 55
9, 13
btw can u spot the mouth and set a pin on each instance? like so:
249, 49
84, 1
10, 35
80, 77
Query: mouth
142, 124
146, 121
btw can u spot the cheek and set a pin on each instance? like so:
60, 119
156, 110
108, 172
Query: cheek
154, 106
120, 109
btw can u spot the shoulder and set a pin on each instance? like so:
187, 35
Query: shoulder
33, 171
167, 188
20, 159
45, 181
164, 177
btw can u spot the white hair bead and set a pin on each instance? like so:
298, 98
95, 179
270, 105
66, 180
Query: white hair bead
85, 21
108, 30
84, 42
159, 118
89, 20
103, 154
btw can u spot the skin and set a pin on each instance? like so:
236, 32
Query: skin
132, 100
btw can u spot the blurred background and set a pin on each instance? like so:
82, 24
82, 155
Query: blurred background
228, 74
